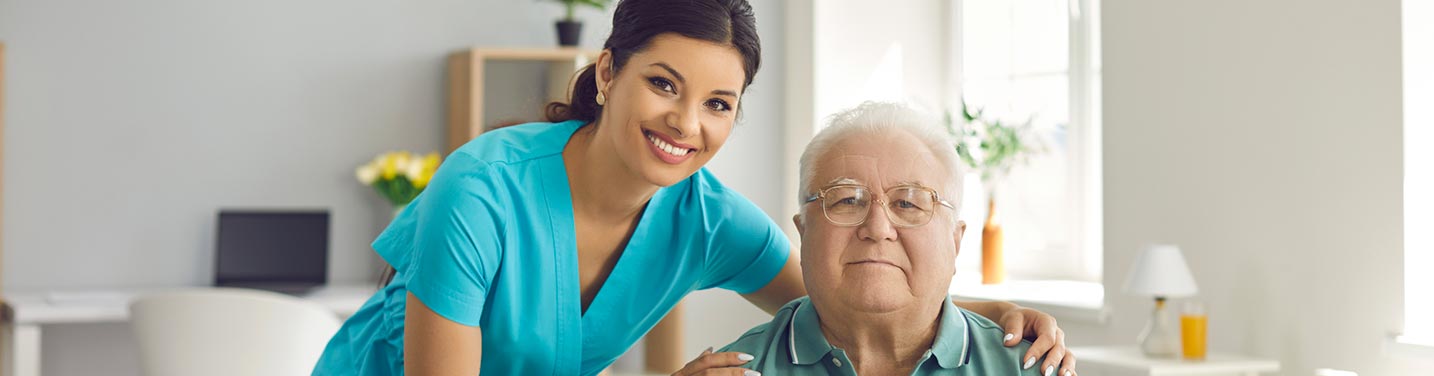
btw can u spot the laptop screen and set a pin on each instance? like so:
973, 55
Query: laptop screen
272, 247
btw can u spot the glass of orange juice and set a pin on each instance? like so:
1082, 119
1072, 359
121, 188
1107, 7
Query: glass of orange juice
1193, 322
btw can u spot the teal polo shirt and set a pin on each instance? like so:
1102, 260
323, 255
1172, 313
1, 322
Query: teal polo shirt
793, 344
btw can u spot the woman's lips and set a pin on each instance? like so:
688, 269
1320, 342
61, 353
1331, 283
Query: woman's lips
667, 150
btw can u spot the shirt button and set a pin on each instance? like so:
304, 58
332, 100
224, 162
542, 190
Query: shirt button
836, 361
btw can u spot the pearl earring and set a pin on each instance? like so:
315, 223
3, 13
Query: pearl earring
601, 99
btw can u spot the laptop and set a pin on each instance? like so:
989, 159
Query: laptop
277, 250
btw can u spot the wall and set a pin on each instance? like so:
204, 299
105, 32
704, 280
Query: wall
130, 123
1264, 137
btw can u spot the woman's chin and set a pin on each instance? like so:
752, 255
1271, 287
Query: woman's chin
665, 175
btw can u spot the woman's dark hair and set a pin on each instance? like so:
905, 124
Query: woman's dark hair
636, 22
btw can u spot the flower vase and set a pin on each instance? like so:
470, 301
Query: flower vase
993, 266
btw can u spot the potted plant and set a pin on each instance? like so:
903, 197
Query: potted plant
569, 28
992, 147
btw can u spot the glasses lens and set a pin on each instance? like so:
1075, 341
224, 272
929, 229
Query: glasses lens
911, 206
846, 205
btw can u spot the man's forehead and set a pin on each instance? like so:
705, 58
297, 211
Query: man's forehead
861, 169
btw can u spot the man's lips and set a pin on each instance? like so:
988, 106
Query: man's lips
874, 262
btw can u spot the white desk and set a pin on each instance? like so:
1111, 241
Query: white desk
1129, 361
25, 313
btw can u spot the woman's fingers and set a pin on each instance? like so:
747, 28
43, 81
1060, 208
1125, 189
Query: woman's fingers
1015, 325
1056, 357
1068, 363
722, 363
1040, 347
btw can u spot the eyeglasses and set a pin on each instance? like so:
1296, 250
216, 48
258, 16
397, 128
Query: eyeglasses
906, 206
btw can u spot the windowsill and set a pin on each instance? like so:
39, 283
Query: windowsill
1417, 347
1066, 300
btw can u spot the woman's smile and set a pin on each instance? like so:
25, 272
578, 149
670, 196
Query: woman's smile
666, 149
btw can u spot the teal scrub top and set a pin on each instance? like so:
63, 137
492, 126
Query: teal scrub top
491, 243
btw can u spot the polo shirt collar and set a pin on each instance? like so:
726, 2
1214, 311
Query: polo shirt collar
807, 345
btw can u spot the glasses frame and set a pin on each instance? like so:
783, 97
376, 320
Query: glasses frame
935, 196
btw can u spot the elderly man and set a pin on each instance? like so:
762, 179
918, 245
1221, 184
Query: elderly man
880, 191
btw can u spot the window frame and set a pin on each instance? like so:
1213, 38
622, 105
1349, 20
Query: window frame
1084, 175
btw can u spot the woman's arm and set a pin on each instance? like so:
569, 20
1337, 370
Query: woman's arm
434, 345
992, 310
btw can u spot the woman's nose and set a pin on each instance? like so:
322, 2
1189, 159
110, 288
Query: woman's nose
684, 121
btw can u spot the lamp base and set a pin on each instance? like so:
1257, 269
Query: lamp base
1159, 338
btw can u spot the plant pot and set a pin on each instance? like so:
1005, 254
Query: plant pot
993, 264
568, 32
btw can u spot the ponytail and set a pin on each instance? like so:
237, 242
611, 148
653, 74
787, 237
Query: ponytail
582, 103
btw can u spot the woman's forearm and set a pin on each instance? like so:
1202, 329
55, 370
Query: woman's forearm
992, 310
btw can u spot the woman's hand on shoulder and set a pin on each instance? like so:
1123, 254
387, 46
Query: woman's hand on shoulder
723, 363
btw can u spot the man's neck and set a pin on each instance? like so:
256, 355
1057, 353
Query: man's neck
886, 343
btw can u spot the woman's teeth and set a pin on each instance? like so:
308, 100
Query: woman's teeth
666, 147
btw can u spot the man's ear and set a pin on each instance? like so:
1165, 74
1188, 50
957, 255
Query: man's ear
960, 232
797, 221
602, 70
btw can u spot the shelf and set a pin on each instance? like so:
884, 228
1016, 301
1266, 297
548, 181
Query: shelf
468, 82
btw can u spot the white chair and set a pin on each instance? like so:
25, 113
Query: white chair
229, 332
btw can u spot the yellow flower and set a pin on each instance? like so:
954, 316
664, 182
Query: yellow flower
388, 166
413, 170
421, 170
367, 173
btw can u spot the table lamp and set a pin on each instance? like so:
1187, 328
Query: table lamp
1160, 271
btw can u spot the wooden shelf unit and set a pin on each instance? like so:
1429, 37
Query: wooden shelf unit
467, 84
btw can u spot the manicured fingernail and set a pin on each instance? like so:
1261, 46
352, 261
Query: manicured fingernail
1008, 337
1050, 369
1029, 362
744, 357
1068, 372
751, 373
708, 350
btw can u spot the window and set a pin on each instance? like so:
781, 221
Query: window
1418, 176
1038, 60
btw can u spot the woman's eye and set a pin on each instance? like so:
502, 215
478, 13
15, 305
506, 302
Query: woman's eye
662, 84
719, 105
903, 204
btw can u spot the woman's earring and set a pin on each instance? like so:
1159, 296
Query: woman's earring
601, 99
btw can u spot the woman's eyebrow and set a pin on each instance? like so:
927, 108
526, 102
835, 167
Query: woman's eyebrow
672, 71
683, 80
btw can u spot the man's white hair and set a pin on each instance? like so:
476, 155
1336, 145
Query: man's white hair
872, 118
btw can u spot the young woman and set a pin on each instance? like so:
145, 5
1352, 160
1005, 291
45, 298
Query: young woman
550, 248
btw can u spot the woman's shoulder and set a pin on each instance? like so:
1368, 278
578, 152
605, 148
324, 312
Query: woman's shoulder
705, 195
522, 142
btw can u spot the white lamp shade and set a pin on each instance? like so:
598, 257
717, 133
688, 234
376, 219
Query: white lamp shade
1160, 270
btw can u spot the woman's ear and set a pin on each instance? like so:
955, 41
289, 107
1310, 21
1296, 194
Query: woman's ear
603, 71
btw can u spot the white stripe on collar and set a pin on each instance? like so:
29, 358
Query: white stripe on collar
965, 336
792, 334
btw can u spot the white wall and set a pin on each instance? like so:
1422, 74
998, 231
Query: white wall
1264, 138
130, 123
